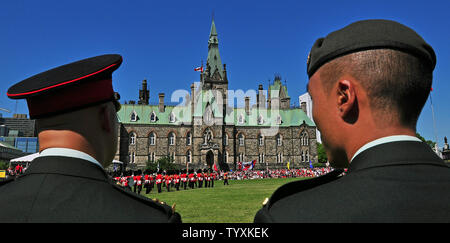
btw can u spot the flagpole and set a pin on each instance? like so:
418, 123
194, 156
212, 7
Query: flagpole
434, 121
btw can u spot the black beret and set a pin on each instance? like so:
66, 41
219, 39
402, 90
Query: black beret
367, 35
68, 87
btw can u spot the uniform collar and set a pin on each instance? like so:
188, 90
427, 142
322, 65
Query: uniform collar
65, 165
382, 140
395, 153
66, 152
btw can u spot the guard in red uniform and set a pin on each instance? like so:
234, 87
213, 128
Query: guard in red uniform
139, 182
147, 182
184, 179
207, 179
191, 179
200, 178
176, 178
159, 179
168, 179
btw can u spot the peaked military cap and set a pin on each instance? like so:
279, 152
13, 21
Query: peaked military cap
367, 35
69, 87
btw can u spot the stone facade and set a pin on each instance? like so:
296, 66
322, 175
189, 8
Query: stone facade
206, 131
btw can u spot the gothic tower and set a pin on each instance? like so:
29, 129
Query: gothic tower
143, 94
215, 76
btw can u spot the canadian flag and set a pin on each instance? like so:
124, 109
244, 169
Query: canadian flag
199, 69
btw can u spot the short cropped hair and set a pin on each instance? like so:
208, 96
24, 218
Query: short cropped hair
394, 80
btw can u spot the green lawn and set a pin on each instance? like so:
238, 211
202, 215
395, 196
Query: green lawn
234, 203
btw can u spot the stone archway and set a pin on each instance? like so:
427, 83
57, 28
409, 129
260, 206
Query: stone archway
210, 159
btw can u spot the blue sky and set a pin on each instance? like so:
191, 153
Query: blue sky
162, 41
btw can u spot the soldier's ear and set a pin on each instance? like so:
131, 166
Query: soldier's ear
347, 100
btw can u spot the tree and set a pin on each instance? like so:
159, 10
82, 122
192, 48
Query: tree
165, 163
429, 142
322, 155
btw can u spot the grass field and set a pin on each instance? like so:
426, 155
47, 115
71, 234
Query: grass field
234, 203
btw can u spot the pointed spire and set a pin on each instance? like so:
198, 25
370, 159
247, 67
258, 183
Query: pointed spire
214, 63
213, 31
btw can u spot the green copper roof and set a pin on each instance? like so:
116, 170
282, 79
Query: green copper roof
181, 114
290, 117
267, 118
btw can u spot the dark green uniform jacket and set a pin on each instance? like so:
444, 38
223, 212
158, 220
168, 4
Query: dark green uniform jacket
392, 182
64, 189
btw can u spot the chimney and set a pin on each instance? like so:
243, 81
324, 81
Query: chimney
260, 98
303, 107
247, 105
161, 102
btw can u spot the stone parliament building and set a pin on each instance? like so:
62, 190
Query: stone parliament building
204, 130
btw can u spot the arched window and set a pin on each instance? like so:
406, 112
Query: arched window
261, 158
226, 156
153, 116
241, 157
188, 156
279, 140
152, 139
279, 158
188, 138
151, 157
133, 138
260, 140
304, 138
241, 139
305, 155
225, 140
172, 138
132, 157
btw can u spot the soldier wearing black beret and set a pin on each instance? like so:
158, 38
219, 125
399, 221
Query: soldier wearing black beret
369, 82
75, 110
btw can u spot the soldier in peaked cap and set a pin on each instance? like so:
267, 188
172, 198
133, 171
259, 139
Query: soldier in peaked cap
75, 110
369, 82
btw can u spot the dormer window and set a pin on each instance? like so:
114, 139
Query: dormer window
172, 117
153, 116
241, 119
260, 120
133, 116
279, 121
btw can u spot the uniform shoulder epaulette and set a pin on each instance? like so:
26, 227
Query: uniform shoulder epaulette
299, 186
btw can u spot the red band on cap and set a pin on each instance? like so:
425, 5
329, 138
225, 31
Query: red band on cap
61, 84
70, 98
